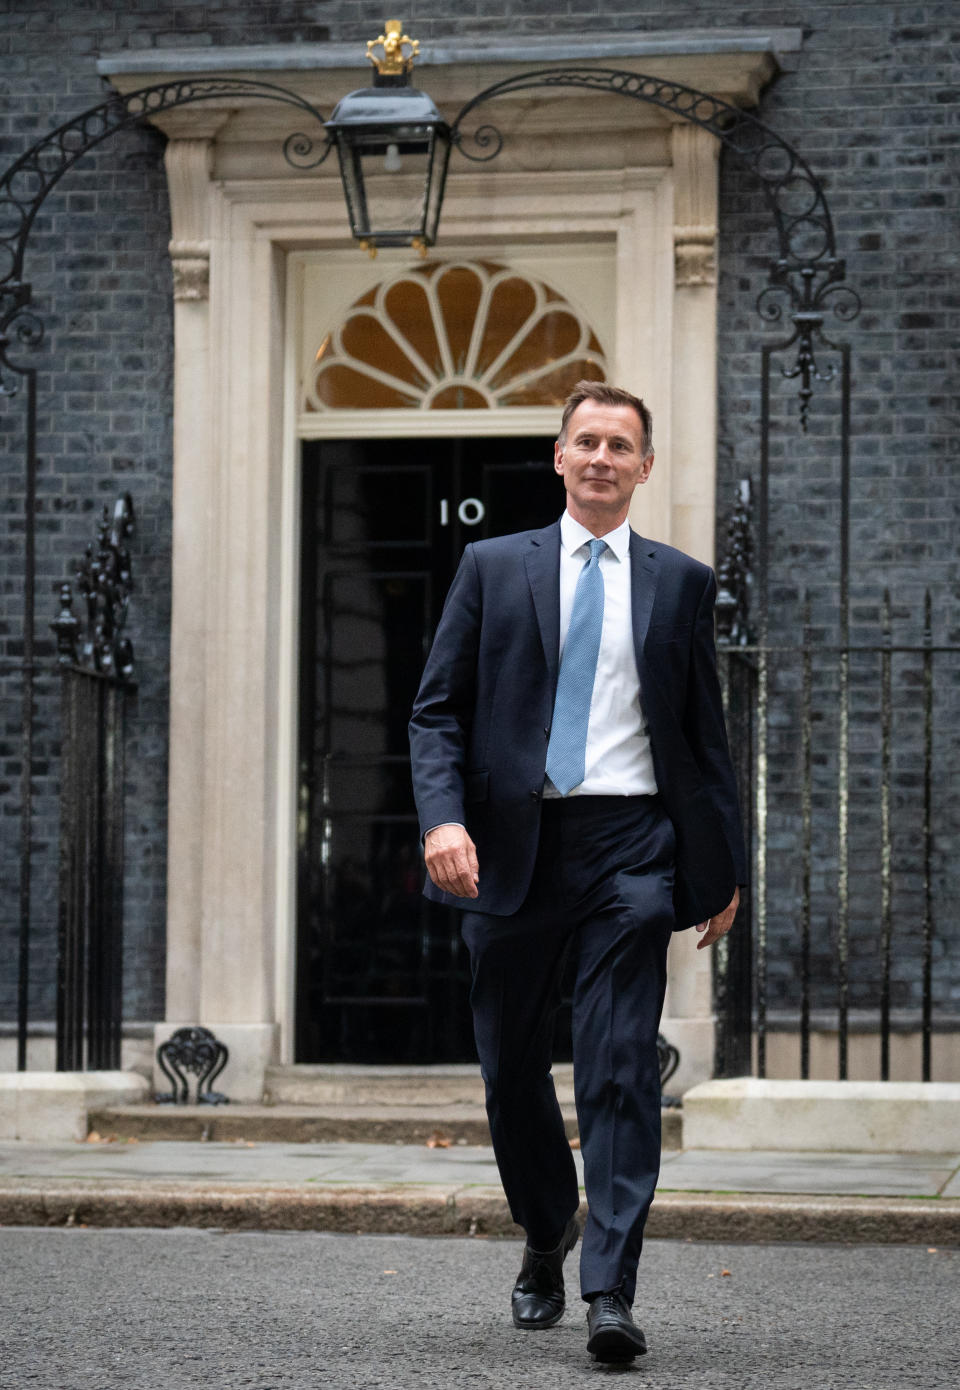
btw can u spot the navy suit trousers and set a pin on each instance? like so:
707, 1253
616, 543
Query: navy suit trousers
601, 895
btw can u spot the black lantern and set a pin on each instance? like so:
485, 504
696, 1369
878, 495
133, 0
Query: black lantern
393, 146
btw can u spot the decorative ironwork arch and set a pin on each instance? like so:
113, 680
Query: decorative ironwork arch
807, 274
25, 185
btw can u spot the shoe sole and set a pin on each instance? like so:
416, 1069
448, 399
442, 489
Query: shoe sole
541, 1325
610, 1345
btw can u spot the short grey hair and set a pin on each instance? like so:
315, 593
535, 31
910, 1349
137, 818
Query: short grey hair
604, 394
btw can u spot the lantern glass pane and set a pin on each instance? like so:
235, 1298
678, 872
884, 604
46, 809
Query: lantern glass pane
350, 174
385, 177
395, 180
438, 177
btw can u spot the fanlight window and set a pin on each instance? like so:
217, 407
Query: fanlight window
462, 335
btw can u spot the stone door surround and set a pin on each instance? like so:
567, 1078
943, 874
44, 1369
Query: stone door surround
573, 169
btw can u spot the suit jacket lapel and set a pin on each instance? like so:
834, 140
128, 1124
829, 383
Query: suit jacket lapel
644, 573
542, 560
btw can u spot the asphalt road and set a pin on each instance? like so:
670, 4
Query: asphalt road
173, 1310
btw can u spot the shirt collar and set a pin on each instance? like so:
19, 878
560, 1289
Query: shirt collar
573, 536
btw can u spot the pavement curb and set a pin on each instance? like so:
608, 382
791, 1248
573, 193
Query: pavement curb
396, 1211
466, 1211
775, 1217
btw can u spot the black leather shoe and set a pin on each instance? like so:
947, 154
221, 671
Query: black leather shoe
538, 1299
614, 1336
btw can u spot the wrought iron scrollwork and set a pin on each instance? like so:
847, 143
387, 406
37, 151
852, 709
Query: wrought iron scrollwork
807, 297
298, 151
194, 1050
104, 582
486, 142
734, 572
807, 269
25, 329
28, 181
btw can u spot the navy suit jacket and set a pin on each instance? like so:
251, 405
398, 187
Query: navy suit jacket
481, 721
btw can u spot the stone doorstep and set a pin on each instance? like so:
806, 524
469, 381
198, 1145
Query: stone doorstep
477, 1211
324, 1084
303, 1124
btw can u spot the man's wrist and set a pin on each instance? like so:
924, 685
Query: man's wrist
441, 825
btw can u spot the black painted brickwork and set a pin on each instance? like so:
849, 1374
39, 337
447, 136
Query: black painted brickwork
872, 105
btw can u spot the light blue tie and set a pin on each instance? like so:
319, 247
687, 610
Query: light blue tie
567, 749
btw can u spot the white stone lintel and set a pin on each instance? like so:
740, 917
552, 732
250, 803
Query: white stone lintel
43, 1106
839, 1116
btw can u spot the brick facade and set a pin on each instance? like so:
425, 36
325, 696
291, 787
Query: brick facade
871, 104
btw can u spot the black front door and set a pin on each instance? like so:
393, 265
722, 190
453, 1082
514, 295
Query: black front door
382, 975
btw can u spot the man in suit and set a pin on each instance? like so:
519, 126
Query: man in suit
577, 800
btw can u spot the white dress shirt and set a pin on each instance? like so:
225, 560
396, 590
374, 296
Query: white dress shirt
618, 757
618, 760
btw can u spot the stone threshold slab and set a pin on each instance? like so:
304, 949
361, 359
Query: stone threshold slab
298, 1124
295, 1124
320, 1084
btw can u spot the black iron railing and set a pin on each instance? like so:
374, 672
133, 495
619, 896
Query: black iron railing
90, 929
847, 762
96, 661
733, 955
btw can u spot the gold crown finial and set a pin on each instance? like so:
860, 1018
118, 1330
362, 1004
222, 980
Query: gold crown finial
392, 40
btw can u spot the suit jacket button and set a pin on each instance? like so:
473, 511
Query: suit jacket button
535, 794
546, 730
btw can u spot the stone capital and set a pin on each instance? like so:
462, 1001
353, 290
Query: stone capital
191, 273
695, 255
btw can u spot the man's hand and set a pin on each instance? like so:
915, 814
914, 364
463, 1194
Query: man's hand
451, 858
719, 926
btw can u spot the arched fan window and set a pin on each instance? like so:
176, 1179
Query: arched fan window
462, 335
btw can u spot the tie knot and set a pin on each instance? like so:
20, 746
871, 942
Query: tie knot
597, 547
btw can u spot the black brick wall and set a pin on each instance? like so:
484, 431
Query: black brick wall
871, 104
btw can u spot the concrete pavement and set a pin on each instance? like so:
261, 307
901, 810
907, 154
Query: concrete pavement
415, 1189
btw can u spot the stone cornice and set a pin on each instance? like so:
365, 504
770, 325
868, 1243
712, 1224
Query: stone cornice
734, 65
781, 44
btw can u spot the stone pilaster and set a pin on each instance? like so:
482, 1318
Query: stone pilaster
188, 164
688, 1015
693, 415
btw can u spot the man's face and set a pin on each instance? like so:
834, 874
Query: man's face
601, 462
